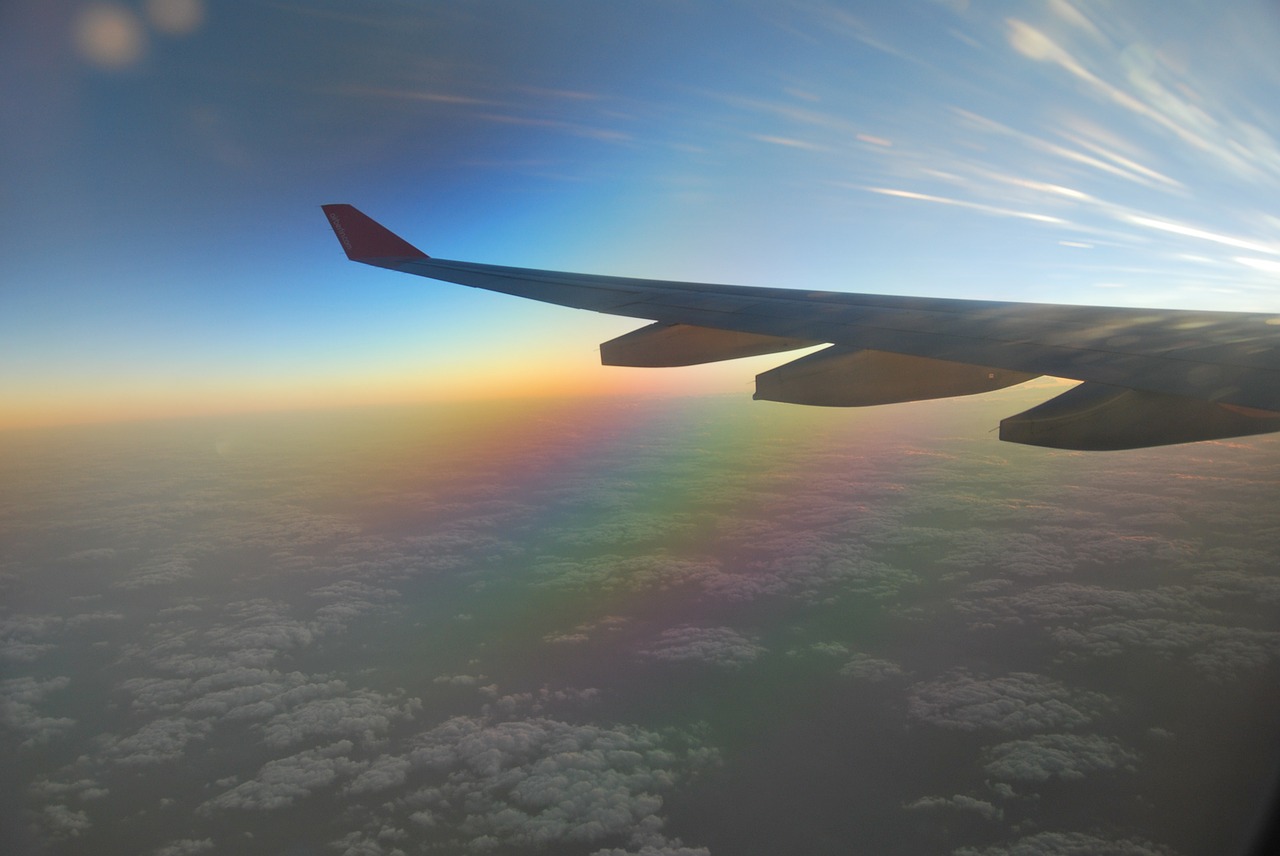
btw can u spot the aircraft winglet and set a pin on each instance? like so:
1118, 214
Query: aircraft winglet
364, 239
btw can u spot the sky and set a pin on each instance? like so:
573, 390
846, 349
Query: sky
164, 163
299, 556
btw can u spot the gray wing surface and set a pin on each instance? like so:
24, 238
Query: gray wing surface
1150, 376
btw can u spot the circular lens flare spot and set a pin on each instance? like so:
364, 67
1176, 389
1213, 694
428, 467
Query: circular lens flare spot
109, 36
176, 17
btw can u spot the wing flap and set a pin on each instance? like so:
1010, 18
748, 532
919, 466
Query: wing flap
661, 345
1097, 417
855, 377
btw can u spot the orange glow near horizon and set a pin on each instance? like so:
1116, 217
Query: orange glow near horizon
91, 400
140, 400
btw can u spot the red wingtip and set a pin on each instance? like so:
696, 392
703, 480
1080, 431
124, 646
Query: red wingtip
364, 238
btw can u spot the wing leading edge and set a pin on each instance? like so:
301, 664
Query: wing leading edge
1149, 377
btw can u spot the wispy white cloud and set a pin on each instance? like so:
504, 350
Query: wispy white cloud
789, 142
1175, 228
1109, 163
577, 129
1156, 93
961, 203
428, 96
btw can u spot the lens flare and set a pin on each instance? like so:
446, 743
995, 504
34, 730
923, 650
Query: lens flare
109, 36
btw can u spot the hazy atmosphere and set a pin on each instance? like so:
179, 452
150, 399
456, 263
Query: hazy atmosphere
692, 626
298, 556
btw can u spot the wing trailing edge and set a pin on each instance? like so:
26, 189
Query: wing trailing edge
1150, 377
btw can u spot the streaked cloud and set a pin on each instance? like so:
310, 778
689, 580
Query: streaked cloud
1154, 92
788, 142
1202, 234
960, 203
431, 97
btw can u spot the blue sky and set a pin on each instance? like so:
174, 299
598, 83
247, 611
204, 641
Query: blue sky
165, 161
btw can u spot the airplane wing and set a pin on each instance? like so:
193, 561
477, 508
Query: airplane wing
1149, 376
